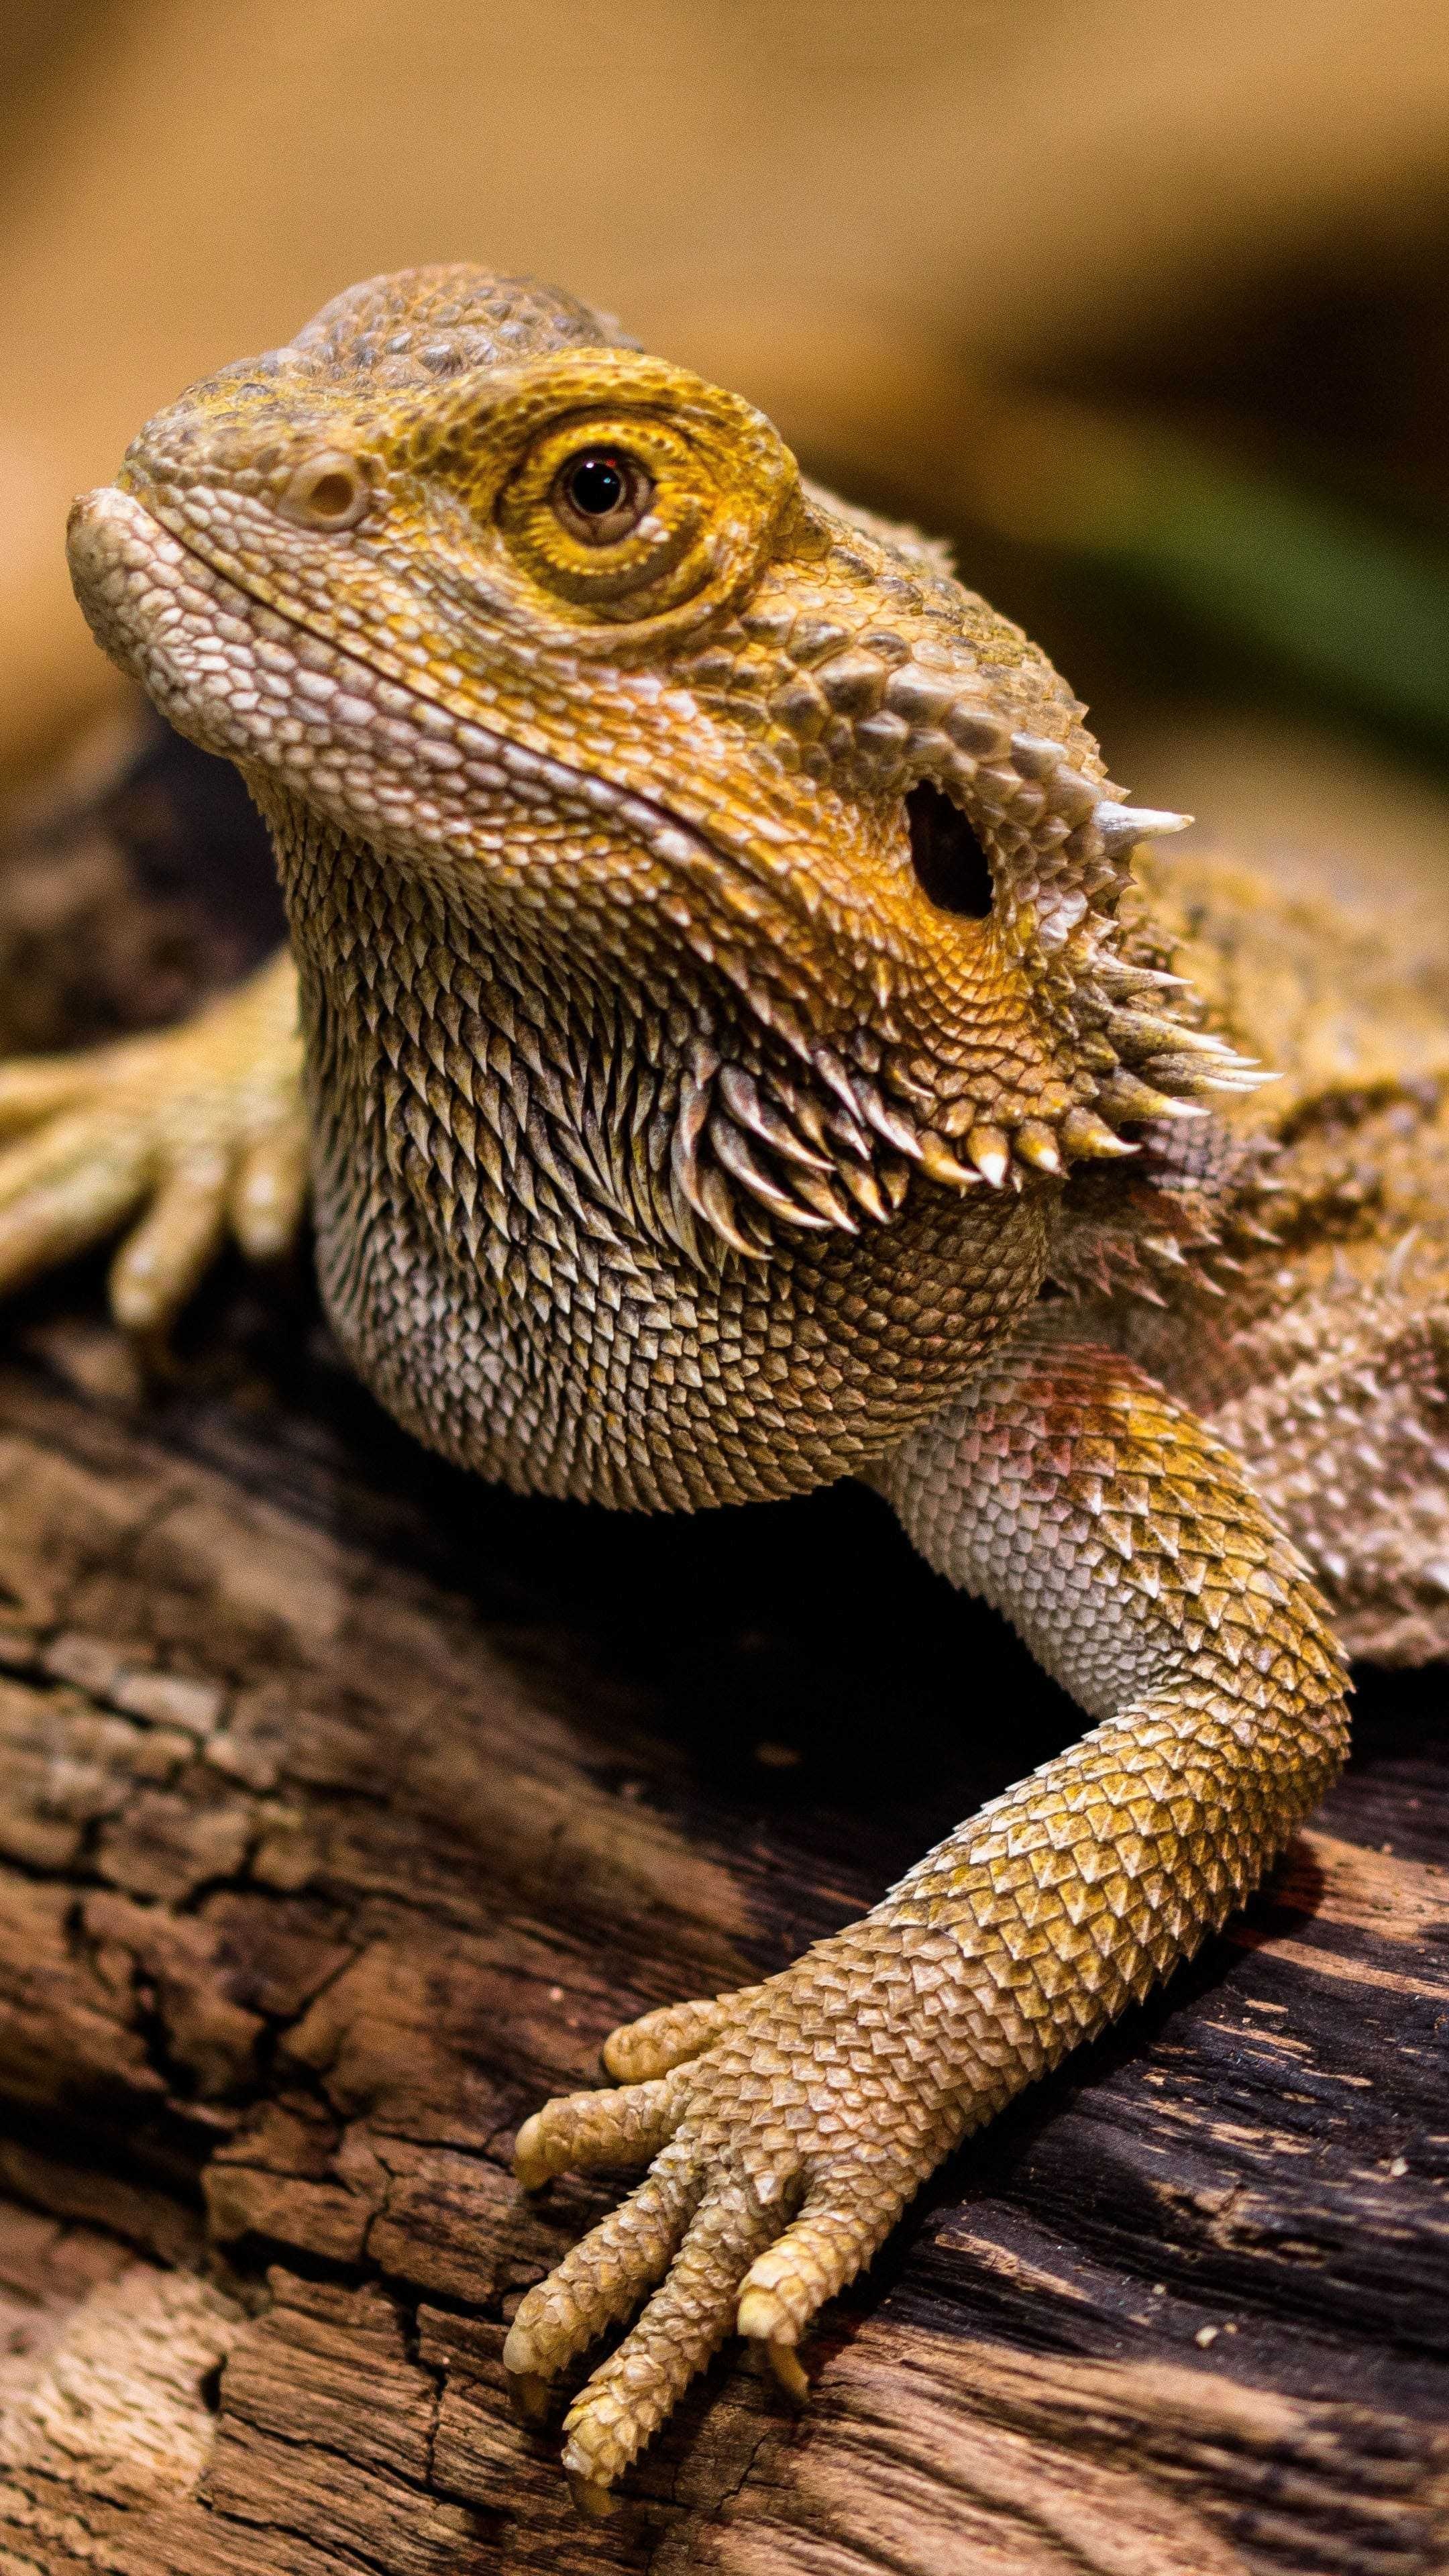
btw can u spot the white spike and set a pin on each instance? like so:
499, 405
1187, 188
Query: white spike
1123, 825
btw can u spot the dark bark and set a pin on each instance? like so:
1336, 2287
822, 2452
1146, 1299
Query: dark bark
344, 1806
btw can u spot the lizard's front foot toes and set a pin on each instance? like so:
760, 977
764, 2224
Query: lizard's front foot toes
786, 2142
728, 2276
700, 2229
601, 2278
171, 1140
685, 2322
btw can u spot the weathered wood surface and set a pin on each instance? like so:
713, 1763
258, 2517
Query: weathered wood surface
344, 1807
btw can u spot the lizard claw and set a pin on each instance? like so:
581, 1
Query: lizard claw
529, 2392
784, 2359
592, 2501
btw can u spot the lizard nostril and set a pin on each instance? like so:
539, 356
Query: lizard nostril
950, 864
327, 492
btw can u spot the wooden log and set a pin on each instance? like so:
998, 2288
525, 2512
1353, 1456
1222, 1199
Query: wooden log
345, 1805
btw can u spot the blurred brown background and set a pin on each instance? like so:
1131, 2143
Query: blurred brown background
1147, 307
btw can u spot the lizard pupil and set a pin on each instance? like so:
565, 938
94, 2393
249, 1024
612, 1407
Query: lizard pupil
601, 494
951, 866
596, 486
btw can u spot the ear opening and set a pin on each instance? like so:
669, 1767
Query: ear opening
952, 869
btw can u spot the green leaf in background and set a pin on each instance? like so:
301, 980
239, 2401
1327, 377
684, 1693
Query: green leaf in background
1352, 606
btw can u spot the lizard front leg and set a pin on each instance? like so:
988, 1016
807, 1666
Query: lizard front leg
791, 2123
173, 1140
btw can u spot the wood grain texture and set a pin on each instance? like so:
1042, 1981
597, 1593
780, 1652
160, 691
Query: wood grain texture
345, 1805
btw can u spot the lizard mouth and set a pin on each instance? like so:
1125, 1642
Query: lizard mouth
374, 754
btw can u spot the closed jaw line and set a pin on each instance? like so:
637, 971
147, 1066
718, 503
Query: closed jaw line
377, 756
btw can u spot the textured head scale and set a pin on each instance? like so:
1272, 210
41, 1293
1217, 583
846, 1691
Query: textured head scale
450, 319
691, 747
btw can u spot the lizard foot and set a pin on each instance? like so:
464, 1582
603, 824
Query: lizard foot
788, 2126
183, 1137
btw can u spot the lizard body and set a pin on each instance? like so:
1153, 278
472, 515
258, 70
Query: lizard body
738, 1054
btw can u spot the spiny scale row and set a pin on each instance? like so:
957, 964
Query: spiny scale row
828, 1155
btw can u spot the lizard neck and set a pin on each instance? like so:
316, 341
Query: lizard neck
490, 1136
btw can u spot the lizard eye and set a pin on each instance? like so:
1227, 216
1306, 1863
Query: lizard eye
620, 517
326, 492
601, 494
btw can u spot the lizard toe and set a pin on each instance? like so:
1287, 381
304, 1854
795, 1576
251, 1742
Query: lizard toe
269, 1192
842, 2222
61, 1191
581, 2131
666, 2038
600, 2280
189, 1133
689, 2317
178, 1238
36, 1087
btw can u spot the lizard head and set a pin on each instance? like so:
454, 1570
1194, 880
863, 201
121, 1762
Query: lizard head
559, 629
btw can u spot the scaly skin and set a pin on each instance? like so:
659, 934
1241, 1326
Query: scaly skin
693, 1117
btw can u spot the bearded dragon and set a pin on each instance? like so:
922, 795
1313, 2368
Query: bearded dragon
731, 1045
